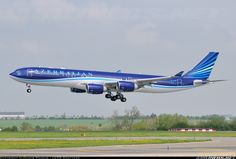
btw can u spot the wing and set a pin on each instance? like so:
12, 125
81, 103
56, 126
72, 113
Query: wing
140, 82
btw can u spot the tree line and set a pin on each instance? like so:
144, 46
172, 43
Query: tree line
133, 120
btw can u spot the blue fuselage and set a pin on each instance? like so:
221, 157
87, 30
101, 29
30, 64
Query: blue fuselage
98, 82
76, 79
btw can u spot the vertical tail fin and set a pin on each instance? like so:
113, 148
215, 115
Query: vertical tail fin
203, 69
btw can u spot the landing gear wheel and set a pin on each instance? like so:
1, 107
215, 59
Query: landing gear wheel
108, 95
118, 96
123, 99
113, 98
29, 90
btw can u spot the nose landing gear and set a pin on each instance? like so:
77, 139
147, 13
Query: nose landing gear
28, 88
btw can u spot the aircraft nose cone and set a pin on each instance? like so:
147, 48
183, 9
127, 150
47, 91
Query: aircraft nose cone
13, 74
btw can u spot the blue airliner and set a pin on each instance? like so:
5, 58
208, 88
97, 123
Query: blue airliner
115, 83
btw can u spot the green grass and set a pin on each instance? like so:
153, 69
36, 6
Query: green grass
55, 122
115, 134
32, 144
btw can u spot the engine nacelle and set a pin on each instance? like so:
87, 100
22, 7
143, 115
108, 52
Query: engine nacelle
197, 82
95, 88
126, 86
76, 90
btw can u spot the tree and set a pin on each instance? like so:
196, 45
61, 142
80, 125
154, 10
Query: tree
168, 121
153, 115
140, 125
125, 122
217, 122
116, 121
63, 116
37, 128
50, 128
180, 121
129, 118
26, 127
164, 122
151, 124
233, 124
13, 128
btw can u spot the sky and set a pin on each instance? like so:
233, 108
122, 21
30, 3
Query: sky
160, 37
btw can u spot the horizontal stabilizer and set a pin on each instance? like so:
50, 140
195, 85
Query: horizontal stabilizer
213, 81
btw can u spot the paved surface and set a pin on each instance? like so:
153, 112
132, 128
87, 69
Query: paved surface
219, 146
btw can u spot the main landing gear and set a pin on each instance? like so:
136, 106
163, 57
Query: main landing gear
115, 97
28, 88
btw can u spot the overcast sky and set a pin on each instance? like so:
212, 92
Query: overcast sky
136, 36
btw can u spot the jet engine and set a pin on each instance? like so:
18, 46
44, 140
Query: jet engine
95, 88
126, 86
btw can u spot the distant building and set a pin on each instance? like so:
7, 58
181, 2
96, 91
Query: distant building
12, 115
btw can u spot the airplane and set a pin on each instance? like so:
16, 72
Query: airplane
98, 82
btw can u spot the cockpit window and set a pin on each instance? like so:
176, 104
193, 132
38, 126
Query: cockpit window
18, 73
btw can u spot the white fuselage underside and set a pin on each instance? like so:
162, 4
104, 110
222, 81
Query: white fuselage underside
81, 84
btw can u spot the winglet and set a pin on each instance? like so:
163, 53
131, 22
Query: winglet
119, 71
179, 74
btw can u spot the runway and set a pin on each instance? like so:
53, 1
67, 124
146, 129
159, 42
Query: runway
219, 146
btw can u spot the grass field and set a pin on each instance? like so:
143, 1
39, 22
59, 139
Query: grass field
59, 142
114, 134
55, 122
81, 143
